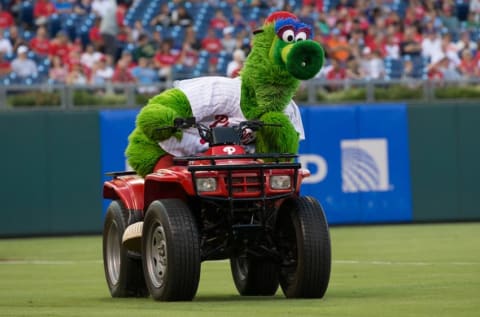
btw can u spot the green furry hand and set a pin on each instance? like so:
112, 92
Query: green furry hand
283, 139
156, 122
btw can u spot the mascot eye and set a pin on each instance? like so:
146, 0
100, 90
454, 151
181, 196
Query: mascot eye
288, 36
301, 36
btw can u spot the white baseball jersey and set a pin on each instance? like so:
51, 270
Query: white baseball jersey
215, 101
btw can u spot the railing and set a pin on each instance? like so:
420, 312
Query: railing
316, 91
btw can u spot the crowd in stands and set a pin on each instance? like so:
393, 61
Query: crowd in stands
147, 42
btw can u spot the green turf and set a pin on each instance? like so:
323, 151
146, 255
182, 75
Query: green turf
404, 270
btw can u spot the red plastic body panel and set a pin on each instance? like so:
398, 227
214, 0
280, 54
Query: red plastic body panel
175, 181
129, 189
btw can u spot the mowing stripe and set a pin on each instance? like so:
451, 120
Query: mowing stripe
47, 262
403, 263
60, 262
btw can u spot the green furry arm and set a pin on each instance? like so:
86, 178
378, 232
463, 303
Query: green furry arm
142, 153
282, 139
161, 111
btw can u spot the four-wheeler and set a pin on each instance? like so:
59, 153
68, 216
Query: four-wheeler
225, 203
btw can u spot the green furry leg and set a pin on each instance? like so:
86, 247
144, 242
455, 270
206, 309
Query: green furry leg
283, 139
142, 153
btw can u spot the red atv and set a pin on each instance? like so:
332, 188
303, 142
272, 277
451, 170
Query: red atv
222, 204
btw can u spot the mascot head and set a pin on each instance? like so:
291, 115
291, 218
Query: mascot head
287, 43
283, 53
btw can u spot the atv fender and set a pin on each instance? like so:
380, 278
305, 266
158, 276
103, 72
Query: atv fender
129, 189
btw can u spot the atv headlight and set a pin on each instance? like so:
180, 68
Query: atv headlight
280, 182
208, 184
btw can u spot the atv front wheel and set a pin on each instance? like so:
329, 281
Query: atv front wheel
171, 251
254, 277
304, 242
123, 269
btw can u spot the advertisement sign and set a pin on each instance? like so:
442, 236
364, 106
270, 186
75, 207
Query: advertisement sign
115, 127
359, 159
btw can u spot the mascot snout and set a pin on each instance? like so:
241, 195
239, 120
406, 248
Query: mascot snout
304, 59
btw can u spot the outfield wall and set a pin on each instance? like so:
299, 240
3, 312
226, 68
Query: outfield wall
369, 163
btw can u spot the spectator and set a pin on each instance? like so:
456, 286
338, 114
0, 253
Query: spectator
5, 67
465, 43
229, 43
219, 21
234, 66
15, 38
371, 65
90, 57
77, 76
392, 49
337, 47
211, 43
42, 10
146, 76
164, 59
109, 28
94, 35
192, 39
100, 7
335, 72
40, 44
145, 48
447, 69
58, 71
409, 76
127, 58
122, 73
5, 44
181, 17
468, 65
163, 18
353, 69
157, 39
22, 66
431, 44
137, 30
188, 55
102, 72
410, 46
449, 20
83, 7
60, 46
6, 19
238, 21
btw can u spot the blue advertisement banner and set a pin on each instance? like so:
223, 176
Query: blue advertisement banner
359, 160
115, 126
358, 157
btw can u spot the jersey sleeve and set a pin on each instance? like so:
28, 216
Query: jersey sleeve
293, 113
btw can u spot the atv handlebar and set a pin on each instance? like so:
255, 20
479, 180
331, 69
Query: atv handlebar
206, 132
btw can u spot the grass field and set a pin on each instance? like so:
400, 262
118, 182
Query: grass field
403, 270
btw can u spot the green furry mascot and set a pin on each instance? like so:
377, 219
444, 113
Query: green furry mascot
282, 55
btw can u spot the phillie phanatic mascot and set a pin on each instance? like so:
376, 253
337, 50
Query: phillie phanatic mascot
282, 54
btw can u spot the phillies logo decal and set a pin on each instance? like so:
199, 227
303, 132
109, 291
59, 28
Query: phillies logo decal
221, 120
229, 150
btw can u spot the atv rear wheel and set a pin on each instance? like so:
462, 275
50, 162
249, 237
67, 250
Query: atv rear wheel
171, 251
254, 277
123, 269
304, 243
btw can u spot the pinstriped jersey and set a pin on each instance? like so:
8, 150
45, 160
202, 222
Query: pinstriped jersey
215, 101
